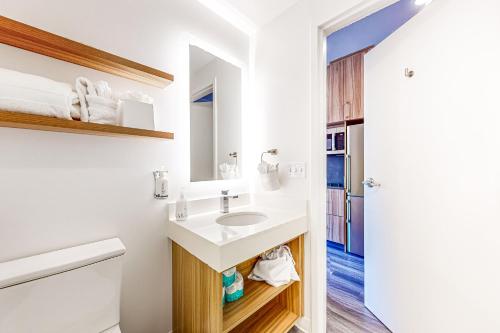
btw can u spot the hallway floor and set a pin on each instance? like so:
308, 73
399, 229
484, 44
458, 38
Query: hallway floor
346, 312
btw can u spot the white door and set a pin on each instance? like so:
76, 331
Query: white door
432, 141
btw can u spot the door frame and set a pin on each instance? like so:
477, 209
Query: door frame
317, 157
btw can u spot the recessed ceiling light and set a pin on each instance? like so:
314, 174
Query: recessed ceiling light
422, 2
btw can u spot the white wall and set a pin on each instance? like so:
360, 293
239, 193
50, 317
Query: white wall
286, 93
59, 190
202, 141
282, 92
434, 265
229, 110
285, 58
445, 281
202, 122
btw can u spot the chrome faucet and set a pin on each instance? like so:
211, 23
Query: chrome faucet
224, 201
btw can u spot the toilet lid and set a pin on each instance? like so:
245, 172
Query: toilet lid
114, 329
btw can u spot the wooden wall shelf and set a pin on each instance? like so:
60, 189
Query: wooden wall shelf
43, 123
29, 38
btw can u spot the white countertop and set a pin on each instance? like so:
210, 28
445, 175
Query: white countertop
222, 247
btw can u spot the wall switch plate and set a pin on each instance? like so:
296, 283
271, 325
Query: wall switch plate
297, 170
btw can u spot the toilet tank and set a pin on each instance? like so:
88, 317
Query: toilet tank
74, 290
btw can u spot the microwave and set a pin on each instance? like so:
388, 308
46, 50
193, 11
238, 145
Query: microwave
335, 140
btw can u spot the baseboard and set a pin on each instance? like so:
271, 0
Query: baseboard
304, 325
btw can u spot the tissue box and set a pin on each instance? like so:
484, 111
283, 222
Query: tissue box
137, 115
235, 291
228, 277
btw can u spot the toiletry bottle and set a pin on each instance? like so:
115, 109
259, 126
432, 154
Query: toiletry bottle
181, 213
161, 183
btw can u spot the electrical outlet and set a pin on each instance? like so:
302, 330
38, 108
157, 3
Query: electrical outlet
297, 170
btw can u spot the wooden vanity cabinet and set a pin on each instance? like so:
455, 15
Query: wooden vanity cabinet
197, 297
345, 88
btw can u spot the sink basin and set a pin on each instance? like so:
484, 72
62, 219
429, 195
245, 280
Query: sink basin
241, 219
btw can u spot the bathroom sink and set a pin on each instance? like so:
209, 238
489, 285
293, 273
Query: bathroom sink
241, 219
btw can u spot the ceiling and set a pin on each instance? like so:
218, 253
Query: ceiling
261, 12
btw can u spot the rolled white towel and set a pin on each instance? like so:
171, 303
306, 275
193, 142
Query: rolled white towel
19, 79
84, 87
75, 110
26, 93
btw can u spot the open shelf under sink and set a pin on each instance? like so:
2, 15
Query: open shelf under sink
257, 295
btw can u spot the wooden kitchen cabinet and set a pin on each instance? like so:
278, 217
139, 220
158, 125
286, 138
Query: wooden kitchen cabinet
335, 229
345, 88
353, 86
335, 93
335, 224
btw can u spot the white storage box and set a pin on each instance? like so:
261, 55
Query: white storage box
137, 115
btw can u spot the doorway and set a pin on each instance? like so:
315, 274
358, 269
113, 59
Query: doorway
345, 178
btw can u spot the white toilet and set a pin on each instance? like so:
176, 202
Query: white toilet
74, 290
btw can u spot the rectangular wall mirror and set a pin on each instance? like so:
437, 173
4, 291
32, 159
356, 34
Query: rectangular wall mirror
215, 117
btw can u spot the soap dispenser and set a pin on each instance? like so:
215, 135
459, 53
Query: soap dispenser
181, 213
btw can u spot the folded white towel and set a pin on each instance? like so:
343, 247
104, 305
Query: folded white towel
277, 267
269, 176
21, 92
265, 167
103, 110
84, 87
101, 101
228, 171
136, 96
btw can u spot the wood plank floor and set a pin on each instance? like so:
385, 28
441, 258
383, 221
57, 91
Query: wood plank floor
346, 312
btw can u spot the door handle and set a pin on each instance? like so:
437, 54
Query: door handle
370, 182
348, 215
348, 173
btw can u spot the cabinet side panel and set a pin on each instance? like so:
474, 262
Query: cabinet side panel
197, 294
293, 297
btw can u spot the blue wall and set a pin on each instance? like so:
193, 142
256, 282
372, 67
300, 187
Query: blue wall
371, 30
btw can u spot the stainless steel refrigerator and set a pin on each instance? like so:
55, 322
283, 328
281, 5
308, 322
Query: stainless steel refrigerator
354, 189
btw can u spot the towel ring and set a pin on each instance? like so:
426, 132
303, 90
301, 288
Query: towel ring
235, 156
273, 152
